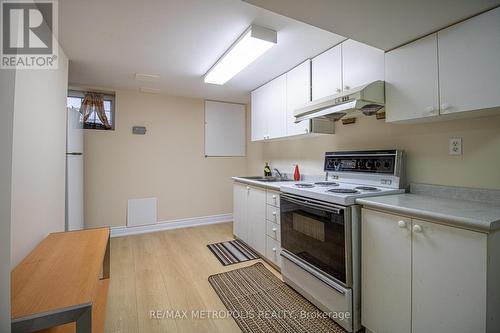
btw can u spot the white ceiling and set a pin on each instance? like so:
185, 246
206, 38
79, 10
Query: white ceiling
108, 41
381, 23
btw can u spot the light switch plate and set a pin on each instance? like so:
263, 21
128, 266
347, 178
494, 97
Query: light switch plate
455, 146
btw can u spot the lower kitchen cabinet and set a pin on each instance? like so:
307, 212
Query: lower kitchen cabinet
449, 279
273, 249
273, 214
273, 230
240, 221
249, 215
256, 219
386, 272
420, 277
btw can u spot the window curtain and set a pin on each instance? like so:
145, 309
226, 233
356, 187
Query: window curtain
93, 102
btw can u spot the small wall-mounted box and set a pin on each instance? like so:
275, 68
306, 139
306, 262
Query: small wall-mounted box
141, 130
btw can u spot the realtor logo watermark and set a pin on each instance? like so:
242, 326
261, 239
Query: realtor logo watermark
29, 34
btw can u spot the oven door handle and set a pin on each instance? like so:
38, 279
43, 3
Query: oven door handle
320, 276
310, 204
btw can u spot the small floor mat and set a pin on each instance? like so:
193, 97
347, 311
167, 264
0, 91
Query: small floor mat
232, 252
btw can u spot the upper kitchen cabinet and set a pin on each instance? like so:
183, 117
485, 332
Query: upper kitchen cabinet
469, 64
276, 125
269, 110
346, 66
453, 72
361, 64
274, 104
327, 73
411, 81
259, 120
298, 93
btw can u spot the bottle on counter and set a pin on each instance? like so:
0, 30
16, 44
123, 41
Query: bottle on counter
267, 170
296, 173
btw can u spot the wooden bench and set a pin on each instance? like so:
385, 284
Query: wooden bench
62, 285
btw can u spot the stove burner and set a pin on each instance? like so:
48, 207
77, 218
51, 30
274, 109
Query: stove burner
304, 185
366, 188
326, 183
342, 190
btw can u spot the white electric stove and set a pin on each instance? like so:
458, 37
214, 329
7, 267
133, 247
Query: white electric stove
321, 229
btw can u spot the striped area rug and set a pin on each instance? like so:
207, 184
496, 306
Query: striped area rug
260, 302
232, 252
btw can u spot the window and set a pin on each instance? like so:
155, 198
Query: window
75, 99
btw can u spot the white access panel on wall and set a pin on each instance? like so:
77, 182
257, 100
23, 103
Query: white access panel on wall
141, 212
225, 129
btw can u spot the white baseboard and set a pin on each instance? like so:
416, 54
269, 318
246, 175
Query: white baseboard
172, 224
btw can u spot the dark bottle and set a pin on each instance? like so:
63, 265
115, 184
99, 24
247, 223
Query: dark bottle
267, 170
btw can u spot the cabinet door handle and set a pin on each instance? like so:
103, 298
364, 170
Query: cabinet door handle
417, 228
274, 213
347, 87
402, 224
248, 188
274, 197
274, 229
338, 90
274, 249
445, 106
306, 130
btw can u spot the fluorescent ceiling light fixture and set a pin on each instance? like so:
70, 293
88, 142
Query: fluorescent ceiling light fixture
147, 77
254, 42
149, 90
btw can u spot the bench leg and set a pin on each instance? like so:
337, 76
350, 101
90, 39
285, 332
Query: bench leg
106, 262
81, 314
84, 322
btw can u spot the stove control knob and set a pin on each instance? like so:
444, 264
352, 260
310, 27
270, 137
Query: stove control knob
369, 164
378, 164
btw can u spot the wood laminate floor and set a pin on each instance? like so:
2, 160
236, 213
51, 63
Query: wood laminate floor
164, 271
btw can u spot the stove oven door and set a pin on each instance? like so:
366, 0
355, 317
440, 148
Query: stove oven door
316, 236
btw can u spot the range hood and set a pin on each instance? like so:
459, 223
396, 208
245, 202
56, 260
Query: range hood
367, 99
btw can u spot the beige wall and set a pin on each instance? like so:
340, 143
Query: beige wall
426, 147
167, 163
7, 85
38, 157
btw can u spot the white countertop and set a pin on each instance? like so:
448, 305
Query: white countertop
477, 216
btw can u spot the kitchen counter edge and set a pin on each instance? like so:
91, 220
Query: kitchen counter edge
275, 186
413, 205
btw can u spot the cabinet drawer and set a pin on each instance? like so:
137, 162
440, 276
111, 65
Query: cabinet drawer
273, 198
273, 230
273, 249
273, 214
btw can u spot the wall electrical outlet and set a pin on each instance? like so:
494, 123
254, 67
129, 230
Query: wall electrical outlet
455, 146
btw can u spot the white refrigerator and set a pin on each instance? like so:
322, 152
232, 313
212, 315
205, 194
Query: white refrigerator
74, 171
